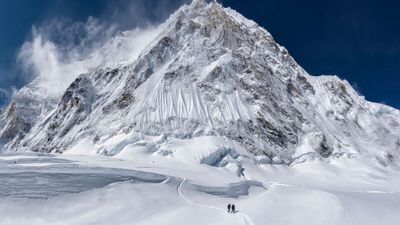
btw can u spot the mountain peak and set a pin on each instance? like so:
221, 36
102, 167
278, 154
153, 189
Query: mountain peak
209, 72
198, 3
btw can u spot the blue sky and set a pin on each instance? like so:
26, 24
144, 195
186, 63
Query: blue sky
357, 40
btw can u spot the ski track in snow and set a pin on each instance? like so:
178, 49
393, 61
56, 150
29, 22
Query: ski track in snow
246, 219
294, 199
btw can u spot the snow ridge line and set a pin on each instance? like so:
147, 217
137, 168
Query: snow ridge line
244, 217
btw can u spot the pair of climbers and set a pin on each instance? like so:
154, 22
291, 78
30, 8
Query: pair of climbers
231, 208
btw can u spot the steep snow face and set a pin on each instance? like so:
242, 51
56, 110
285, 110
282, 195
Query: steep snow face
208, 72
27, 106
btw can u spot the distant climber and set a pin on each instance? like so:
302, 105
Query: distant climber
240, 171
229, 207
233, 208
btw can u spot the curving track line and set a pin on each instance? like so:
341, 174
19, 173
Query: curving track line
246, 219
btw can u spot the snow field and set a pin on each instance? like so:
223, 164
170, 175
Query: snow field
125, 191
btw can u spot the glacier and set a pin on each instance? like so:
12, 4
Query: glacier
72, 189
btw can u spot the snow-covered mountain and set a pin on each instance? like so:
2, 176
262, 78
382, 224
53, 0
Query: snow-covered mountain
209, 73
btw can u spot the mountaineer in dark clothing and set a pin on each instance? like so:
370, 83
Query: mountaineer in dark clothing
229, 207
233, 209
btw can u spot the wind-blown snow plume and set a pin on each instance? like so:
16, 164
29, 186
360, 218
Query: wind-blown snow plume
62, 50
4, 96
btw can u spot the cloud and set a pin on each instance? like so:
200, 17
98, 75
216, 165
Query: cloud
4, 97
4, 93
61, 50
357, 88
140, 13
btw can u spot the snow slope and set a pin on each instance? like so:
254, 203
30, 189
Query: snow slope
72, 189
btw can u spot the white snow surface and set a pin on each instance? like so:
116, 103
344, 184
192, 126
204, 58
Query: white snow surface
75, 189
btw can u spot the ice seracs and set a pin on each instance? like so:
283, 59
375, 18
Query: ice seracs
208, 72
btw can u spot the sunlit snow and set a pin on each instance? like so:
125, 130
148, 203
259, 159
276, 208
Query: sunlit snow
75, 189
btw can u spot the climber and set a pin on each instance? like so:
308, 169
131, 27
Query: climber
229, 207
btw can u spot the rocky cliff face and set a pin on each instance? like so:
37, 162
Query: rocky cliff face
210, 72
